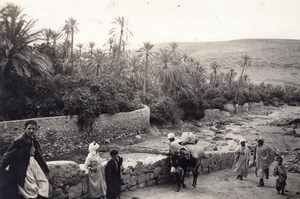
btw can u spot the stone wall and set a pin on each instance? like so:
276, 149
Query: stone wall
59, 135
242, 109
69, 180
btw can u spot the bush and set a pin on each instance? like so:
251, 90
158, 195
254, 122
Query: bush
192, 108
164, 111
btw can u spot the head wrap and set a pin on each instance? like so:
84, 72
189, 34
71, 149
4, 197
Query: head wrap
261, 138
93, 146
242, 140
171, 135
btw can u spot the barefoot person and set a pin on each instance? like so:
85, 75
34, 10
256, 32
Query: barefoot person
241, 161
94, 164
263, 156
281, 176
25, 161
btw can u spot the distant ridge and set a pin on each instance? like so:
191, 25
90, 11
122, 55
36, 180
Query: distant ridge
275, 61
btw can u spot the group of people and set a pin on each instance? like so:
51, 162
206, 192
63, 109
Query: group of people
104, 181
263, 157
24, 166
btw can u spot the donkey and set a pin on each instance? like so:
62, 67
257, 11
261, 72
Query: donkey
180, 162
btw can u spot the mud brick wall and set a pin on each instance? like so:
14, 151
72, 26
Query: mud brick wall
60, 135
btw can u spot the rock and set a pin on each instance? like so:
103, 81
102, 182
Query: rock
66, 189
64, 196
133, 180
107, 141
58, 192
50, 191
214, 129
157, 171
75, 191
72, 181
141, 178
229, 108
138, 137
142, 185
215, 148
150, 183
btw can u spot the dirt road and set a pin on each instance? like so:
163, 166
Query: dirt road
223, 184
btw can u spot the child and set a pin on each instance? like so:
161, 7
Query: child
281, 176
94, 164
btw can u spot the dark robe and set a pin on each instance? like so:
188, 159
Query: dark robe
113, 178
17, 158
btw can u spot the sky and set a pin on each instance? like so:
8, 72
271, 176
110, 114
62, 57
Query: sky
159, 21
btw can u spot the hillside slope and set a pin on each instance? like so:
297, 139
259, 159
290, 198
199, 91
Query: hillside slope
275, 61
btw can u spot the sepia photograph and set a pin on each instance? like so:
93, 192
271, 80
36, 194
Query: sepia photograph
149, 99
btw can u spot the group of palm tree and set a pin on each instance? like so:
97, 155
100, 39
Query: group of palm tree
166, 70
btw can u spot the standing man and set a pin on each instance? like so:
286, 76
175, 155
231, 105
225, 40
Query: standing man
241, 161
113, 175
25, 162
173, 145
264, 156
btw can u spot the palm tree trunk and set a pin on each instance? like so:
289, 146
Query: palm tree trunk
240, 80
146, 76
97, 72
72, 40
119, 53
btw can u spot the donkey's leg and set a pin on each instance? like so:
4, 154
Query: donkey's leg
195, 175
182, 179
178, 178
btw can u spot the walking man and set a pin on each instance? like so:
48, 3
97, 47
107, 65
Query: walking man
241, 161
25, 162
264, 156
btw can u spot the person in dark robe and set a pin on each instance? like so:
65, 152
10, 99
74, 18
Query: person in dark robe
113, 175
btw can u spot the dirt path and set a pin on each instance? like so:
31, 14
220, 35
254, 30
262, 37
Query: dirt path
223, 184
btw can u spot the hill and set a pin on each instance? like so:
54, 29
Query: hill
275, 61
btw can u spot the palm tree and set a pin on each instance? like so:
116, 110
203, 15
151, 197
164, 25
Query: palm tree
16, 55
230, 77
92, 45
121, 30
136, 70
166, 74
244, 62
214, 75
47, 34
96, 61
56, 35
71, 23
110, 42
80, 46
173, 46
145, 50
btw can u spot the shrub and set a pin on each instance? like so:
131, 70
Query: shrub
164, 111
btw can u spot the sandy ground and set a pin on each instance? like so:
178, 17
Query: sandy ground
223, 184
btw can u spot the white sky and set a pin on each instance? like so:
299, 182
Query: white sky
170, 20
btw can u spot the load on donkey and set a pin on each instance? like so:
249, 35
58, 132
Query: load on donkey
185, 155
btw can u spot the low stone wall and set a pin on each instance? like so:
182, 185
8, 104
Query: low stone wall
59, 135
242, 109
69, 180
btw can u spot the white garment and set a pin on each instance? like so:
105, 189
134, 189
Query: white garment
36, 182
